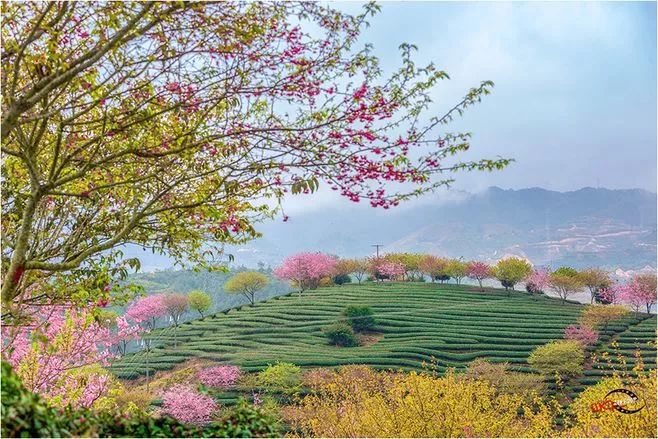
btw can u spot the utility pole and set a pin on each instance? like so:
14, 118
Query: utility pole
377, 247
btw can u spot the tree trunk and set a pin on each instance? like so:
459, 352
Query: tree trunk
16, 267
148, 351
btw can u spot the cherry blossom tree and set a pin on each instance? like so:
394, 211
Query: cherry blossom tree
147, 310
390, 270
175, 306
161, 124
607, 296
382, 268
410, 262
187, 405
639, 292
219, 376
538, 281
305, 270
479, 271
125, 333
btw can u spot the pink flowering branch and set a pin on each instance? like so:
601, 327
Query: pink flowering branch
55, 345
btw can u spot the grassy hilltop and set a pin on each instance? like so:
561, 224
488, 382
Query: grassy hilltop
417, 324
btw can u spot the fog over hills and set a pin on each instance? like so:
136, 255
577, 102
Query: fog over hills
610, 228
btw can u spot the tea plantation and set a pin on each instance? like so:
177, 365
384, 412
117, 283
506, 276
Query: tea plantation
420, 324
620, 352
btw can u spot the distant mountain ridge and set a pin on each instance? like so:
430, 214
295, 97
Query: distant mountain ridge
589, 226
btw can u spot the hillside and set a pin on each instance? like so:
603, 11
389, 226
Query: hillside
210, 282
418, 324
587, 227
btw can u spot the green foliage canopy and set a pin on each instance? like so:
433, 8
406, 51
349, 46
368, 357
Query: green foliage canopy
199, 301
510, 271
247, 283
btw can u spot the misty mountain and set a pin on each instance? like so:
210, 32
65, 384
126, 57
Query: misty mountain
610, 228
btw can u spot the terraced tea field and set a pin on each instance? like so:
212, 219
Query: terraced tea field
419, 323
620, 352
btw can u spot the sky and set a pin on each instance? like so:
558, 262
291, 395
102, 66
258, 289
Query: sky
575, 96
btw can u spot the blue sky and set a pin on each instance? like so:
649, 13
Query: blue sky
575, 95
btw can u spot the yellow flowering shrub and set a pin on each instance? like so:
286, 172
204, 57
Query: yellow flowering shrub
611, 423
130, 400
505, 380
364, 403
599, 316
325, 282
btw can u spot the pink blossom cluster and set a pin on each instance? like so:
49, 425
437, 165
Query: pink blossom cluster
636, 294
146, 310
367, 111
96, 386
306, 268
582, 334
611, 294
57, 341
390, 270
538, 280
188, 405
479, 270
219, 376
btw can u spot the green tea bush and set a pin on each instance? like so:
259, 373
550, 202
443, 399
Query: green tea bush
341, 334
342, 279
361, 318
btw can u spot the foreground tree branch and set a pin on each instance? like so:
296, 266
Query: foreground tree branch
177, 126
